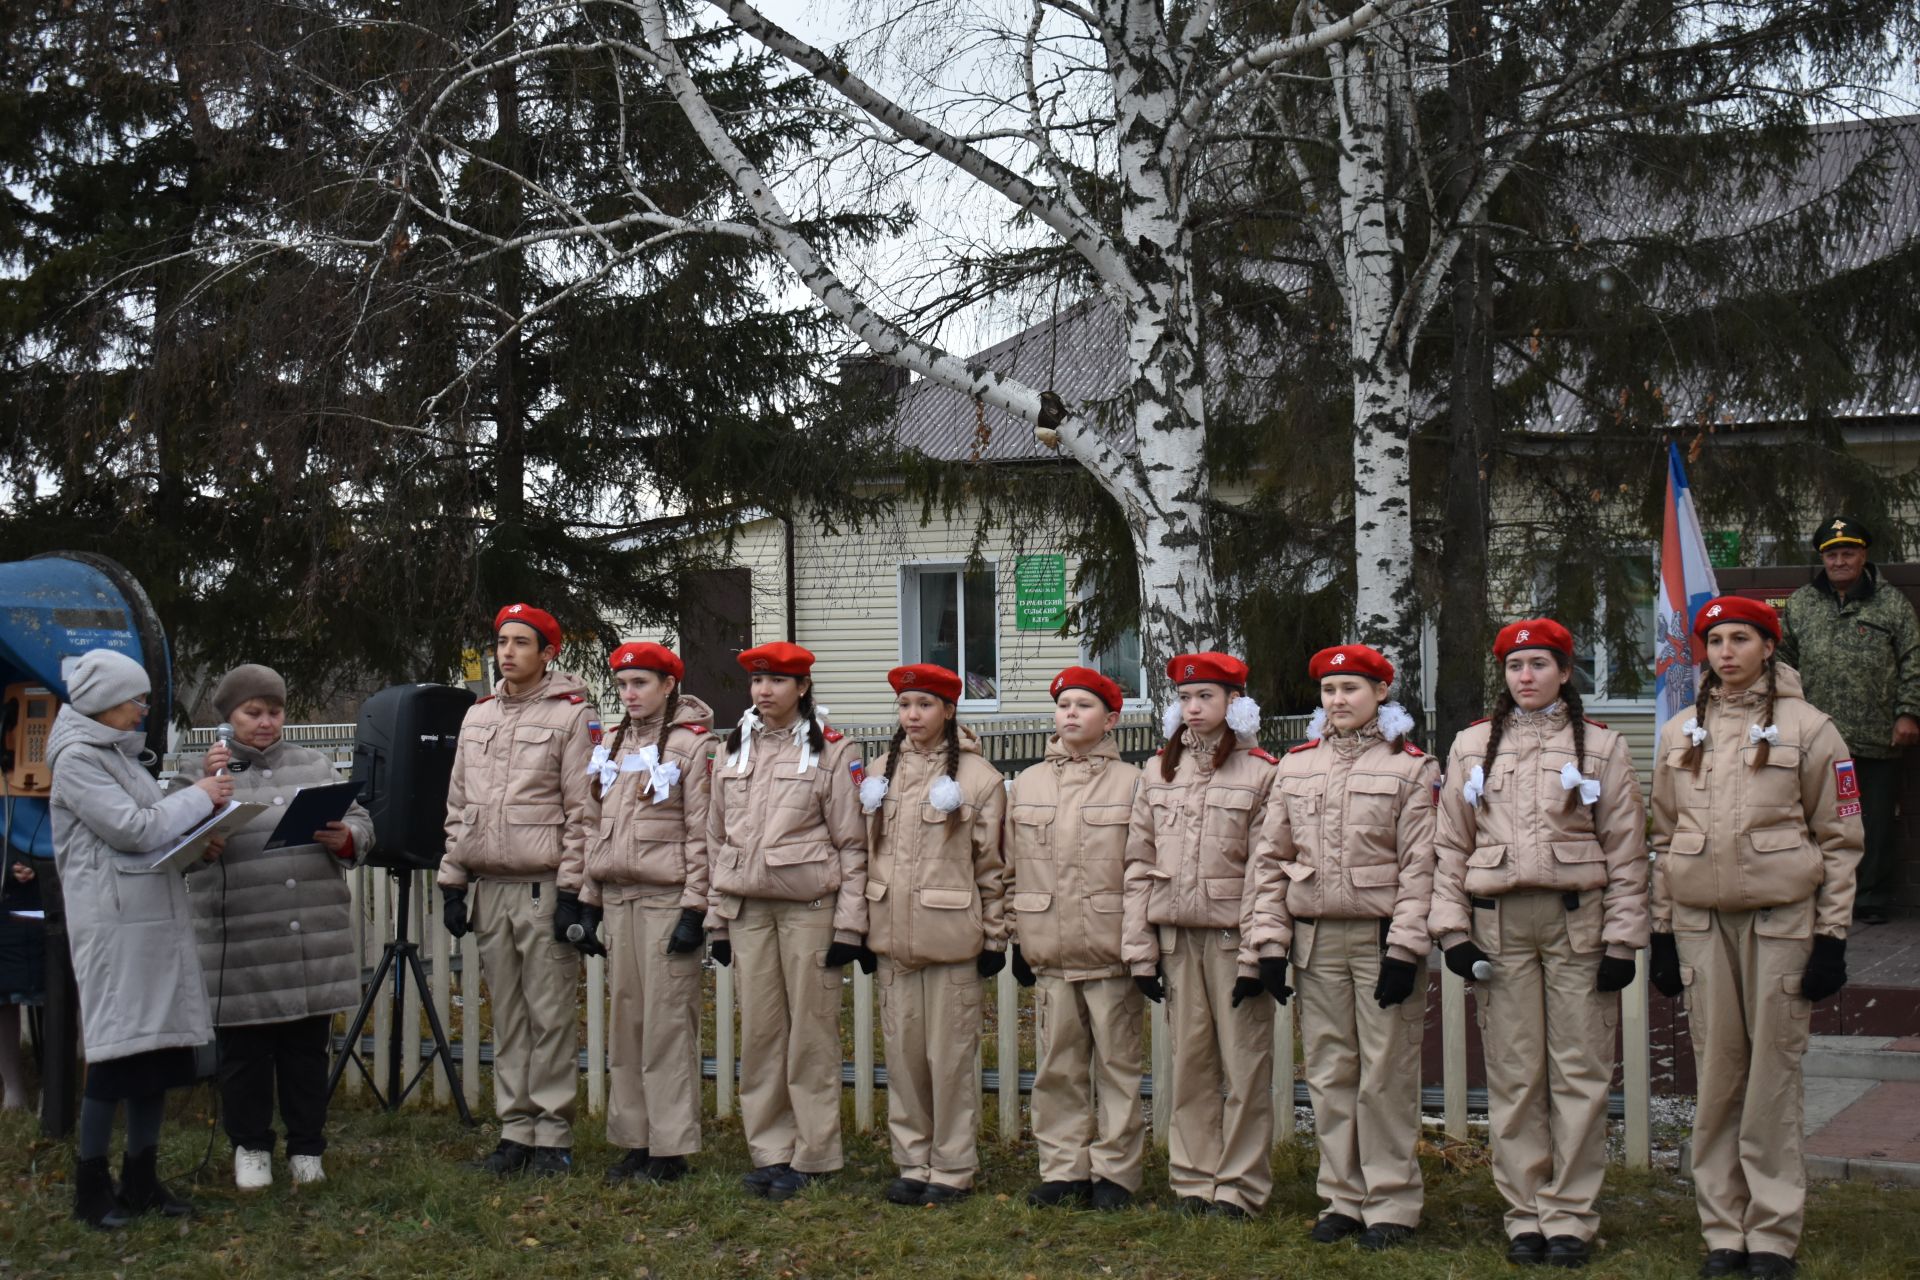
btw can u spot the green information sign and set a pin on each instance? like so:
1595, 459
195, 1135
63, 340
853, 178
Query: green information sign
1040, 593
1723, 548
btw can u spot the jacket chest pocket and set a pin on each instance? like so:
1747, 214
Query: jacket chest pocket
1103, 852
536, 749
791, 790
1373, 800
1303, 798
1228, 811
144, 896
1683, 774
1773, 788
475, 752
1499, 773
1031, 826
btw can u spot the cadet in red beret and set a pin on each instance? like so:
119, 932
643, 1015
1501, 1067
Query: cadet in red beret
1193, 821
1340, 882
1549, 938
1067, 847
1724, 609
935, 920
788, 853
648, 873
523, 750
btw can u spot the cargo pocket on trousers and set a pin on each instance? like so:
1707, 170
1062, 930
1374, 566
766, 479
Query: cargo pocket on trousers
1796, 1019
1483, 925
1413, 1010
1302, 949
1686, 988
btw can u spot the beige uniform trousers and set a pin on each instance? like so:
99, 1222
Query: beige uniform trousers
930, 1029
1549, 1041
1087, 1120
653, 1044
1749, 1024
1220, 1142
789, 1033
1363, 1073
533, 986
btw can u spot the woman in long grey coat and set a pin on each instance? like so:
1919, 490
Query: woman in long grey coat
275, 937
142, 1002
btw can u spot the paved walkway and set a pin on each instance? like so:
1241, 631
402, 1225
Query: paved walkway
1863, 1108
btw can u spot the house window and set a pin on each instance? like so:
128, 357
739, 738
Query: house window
1622, 668
951, 618
1120, 663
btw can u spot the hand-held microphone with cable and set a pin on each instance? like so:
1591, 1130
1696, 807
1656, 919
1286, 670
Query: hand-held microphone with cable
225, 733
1482, 970
575, 932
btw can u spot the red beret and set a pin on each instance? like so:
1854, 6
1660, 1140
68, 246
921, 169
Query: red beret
1208, 668
1090, 680
924, 677
1350, 660
638, 655
778, 659
1737, 609
539, 619
1533, 633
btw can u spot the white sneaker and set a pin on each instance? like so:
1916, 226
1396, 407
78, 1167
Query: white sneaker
252, 1170
306, 1169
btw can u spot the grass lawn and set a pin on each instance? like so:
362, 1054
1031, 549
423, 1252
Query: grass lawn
398, 1203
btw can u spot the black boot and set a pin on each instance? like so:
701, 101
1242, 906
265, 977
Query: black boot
141, 1189
666, 1169
93, 1200
632, 1165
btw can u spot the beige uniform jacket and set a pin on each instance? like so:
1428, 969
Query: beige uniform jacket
643, 844
1187, 846
517, 804
1530, 832
1067, 821
1735, 837
937, 882
1348, 836
783, 833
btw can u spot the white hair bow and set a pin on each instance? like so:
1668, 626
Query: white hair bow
1317, 727
1475, 784
1170, 719
602, 769
1570, 778
1394, 721
1693, 730
1243, 717
1756, 735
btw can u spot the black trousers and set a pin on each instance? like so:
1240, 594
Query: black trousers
288, 1057
1879, 789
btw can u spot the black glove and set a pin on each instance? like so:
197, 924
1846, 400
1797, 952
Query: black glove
1246, 989
841, 954
1663, 970
589, 943
1462, 956
453, 909
1826, 968
722, 952
866, 959
687, 934
1273, 978
1615, 974
566, 914
1022, 971
990, 962
1150, 986
1396, 981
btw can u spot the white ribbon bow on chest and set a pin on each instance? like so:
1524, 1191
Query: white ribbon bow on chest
1769, 735
602, 769
1570, 779
1693, 730
1474, 786
660, 777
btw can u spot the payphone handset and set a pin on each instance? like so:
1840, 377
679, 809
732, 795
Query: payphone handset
30, 709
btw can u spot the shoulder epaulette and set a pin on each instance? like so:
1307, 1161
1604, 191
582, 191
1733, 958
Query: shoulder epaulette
697, 728
1308, 745
1261, 753
1411, 750
832, 735
489, 698
574, 698
1598, 724
1162, 751
1481, 720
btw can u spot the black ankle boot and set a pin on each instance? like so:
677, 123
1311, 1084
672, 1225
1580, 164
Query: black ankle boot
141, 1189
93, 1200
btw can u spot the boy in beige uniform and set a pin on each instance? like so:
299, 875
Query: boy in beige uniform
1756, 834
1067, 848
518, 822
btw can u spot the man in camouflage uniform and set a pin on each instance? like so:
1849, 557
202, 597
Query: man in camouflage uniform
1856, 643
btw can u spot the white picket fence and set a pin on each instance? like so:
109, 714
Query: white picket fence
455, 990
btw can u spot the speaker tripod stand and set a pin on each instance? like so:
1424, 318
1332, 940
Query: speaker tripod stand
400, 957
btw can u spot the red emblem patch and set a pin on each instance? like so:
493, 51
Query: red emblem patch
1846, 784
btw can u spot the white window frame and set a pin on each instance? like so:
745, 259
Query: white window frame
909, 614
1601, 698
1087, 659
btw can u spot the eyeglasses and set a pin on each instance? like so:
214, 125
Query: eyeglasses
142, 707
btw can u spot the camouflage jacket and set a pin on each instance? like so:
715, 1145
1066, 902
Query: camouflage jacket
1859, 658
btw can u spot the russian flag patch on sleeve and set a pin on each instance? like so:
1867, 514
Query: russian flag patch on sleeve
1847, 787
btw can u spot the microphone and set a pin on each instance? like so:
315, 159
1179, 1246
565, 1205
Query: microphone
576, 932
225, 733
1482, 970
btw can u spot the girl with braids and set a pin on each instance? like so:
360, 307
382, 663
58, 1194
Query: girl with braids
646, 878
1756, 836
1340, 883
935, 919
787, 905
1194, 818
1541, 897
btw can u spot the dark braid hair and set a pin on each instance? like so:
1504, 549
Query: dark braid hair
804, 709
1504, 706
667, 714
1170, 757
1696, 752
613, 746
952, 736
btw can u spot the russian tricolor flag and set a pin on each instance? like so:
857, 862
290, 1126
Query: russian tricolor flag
1686, 583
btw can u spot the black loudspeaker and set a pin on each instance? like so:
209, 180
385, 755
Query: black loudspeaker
403, 749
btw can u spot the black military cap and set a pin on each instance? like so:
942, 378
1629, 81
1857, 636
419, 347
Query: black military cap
1841, 531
